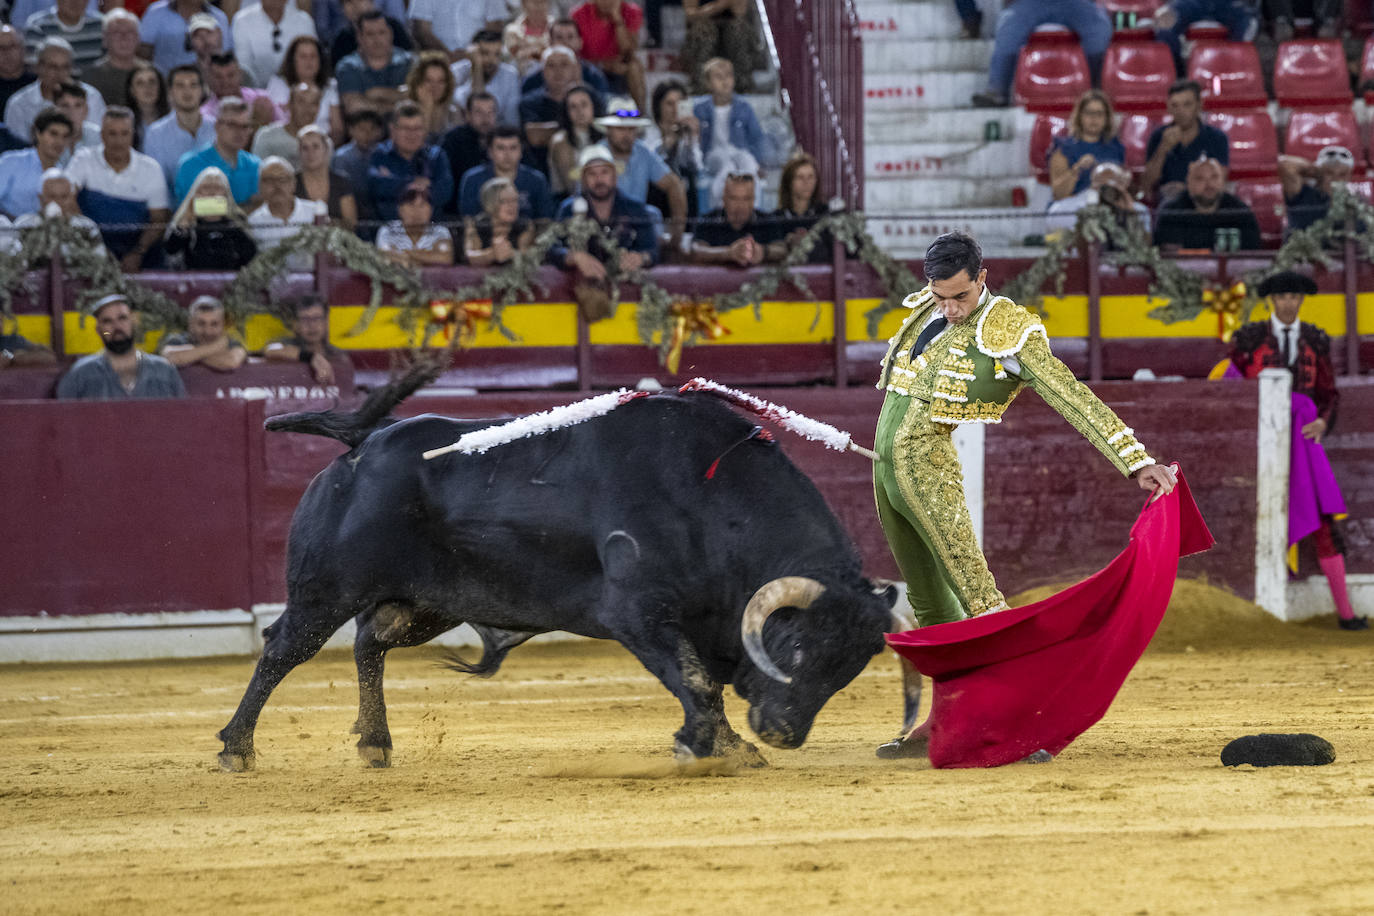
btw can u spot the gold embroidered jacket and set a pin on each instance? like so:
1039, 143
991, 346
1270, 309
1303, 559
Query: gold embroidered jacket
972, 371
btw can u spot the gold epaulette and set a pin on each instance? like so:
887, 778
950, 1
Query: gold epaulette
1004, 328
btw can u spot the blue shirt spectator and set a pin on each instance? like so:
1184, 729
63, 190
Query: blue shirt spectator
21, 175
164, 30
167, 142
628, 222
535, 199
330, 19
243, 172
644, 168
406, 158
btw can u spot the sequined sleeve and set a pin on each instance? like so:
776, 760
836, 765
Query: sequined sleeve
1076, 403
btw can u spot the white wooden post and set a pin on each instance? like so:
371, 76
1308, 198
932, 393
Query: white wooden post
1271, 490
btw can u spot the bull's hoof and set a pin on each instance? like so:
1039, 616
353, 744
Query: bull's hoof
379, 758
1040, 756
742, 754
230, 762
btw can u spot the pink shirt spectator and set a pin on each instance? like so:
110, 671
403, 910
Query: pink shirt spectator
250, 95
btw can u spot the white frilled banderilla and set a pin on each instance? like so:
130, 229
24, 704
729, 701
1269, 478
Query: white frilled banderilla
480, 441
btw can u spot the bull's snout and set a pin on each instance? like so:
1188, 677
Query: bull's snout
774, 731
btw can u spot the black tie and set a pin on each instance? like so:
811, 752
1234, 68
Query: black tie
1287, 348
927, 335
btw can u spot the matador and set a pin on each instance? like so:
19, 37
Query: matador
962, 356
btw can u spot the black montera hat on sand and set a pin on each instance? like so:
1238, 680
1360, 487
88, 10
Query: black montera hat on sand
1287, 281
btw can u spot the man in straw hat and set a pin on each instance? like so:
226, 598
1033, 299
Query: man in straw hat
640, 167
1314, 499
120, 370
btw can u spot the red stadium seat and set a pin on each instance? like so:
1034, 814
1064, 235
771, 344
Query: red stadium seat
1047, 127
1051, 77
1229, 73
1254, 142
1310, 73
1208, 30
1136, 75
1367, 63
1310, 130
1266, 199
1135, 133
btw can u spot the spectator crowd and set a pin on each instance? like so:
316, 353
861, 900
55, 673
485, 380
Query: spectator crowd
192, 135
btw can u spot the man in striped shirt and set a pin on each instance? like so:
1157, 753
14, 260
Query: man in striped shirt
68, 20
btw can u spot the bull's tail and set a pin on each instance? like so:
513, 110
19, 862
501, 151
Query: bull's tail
351, 428
496, 643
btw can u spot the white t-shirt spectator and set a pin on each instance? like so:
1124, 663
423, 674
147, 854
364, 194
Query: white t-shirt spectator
393, 237
141, 180
455, 21
269, 231
258, 52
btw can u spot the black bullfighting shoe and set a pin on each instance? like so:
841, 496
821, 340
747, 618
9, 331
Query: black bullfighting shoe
1354, 623
904, 747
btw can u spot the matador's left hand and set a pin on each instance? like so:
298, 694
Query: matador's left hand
1158, 477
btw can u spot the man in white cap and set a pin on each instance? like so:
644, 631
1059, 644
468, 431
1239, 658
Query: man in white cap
625, 220
1306, 202
120, 370
640, 167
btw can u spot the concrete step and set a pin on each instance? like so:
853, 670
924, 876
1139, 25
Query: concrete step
894, 196
909, 21
885, 54
885, 92
951, 125
1007, 158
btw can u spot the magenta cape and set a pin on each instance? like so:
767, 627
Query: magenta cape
1312, 489
1012, 683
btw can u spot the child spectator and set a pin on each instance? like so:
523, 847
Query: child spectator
728, 121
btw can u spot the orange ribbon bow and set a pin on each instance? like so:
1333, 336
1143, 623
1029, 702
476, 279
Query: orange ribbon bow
448, 314
1227, 303
692, 318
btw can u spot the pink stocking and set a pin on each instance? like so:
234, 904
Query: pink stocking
1334, 568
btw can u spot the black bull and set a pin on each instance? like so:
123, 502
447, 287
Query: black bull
611, 528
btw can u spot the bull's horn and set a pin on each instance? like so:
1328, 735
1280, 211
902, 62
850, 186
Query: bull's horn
789, 591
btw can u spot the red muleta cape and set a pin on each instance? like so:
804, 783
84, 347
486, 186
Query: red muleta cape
1033, 677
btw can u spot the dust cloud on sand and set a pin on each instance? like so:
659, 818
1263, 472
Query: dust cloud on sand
552, 788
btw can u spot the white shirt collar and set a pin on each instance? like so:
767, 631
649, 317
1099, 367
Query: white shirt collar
1278, 327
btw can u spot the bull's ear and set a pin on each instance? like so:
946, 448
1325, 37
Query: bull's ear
887, 590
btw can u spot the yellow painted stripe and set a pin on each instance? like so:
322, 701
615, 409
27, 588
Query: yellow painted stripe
782, 323
554, 324
33, 328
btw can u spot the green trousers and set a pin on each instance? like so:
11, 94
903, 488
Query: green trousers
919, 487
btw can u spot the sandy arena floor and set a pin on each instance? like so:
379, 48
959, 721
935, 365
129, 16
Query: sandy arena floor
550, 787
